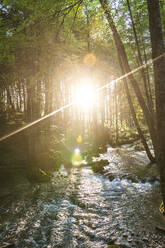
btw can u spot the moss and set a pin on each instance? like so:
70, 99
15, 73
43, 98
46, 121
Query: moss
98, 166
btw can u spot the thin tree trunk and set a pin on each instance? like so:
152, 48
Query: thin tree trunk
24, 101
20, 94
116, 117
121, 50
88, 32
133, 114
9, 99
143, 140
139, 57
148, 80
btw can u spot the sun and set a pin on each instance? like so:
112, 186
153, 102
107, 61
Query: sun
85, 96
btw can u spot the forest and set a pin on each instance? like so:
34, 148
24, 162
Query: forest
82, 123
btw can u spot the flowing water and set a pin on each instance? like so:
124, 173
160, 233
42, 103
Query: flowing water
84, 210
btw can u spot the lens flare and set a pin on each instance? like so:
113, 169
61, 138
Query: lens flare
76, 157
77, 151
79, 139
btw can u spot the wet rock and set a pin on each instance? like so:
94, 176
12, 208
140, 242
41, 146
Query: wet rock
160, 228
38, 176
98, 166
143, 179
158, 178
145, 239
118, 246
8, 245
111, 177
104, 162
126, 234
102, 149
132, 177
111, 241
152, 179
114, 246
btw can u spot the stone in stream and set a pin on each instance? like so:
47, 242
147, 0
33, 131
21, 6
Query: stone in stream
112, 177
98, 166
160, 228
8, 245
37, 175
117, 246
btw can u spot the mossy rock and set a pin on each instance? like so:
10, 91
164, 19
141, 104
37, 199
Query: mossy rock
112, 177
102, 149
88, 158
98, 166
104, 162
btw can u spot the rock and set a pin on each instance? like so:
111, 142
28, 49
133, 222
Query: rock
97, 167
133, 178
112, 241
152, 179
111, 177
158, 178
117, 246
145, 239
8, 245
114, 246
38, 176
125, 234
143, 179
160, 228
104, 162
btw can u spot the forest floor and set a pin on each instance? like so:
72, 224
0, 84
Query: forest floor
87, 210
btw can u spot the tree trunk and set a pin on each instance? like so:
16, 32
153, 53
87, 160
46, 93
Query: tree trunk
159, 79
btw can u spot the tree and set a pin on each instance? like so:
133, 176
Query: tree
158, 50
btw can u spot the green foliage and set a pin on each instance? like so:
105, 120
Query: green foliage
42, 49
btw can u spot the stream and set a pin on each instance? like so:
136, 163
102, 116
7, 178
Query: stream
84, 209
